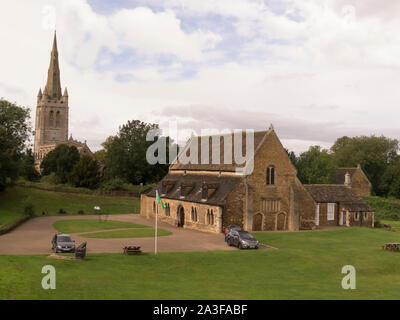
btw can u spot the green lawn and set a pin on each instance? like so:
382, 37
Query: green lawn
307, 266
132, 233
13, 201
83, 225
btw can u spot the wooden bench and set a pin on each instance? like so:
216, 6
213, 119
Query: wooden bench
132, 249
392, 246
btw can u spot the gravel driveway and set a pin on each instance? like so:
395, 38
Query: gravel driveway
34, 237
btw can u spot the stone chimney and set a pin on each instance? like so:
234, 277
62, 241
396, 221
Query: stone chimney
347, 179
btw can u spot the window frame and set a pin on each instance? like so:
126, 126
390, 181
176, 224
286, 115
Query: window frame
270, 176
330, 214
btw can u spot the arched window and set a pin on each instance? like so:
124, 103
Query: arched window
210, 217
194, 214
167, 210
51, 119
154, 206
58, 120
270, 177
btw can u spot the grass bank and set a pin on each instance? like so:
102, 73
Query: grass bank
307, 265
14, 200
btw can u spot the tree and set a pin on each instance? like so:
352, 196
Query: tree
374, 154
29, 171
86, 173
100, 155
126, 154
292, 156
315, 166
14, 130
61, 160
390, 181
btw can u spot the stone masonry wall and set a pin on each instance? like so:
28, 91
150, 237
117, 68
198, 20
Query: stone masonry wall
201, 224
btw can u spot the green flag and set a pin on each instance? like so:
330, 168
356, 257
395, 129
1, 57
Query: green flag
159, 200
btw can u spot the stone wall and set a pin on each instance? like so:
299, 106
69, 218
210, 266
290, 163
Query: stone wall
305, 207
147, 210
361, 219
235, 207
323, 215
360, 183
271, 201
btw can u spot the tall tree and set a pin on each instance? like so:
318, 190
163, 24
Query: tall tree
61, 160
86, 173
374, 154
29, 171
315, 166
126, 154
14, 131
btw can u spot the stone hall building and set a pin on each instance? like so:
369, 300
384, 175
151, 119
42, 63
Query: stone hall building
52, 114
210, 197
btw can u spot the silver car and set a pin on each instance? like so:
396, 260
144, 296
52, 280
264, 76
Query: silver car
63, 243
242, 240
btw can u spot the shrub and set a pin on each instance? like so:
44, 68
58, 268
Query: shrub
52, 178
113, 185
120, 185
62, 211
29, 209
377, 224
81, 212
394, 216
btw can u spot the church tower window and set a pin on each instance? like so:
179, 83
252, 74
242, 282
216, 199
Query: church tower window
51, 119
58, 121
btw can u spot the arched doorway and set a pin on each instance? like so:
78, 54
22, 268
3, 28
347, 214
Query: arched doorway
181, 217
281, 221
257, 222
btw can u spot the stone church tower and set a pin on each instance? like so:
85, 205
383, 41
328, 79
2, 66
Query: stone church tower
52, 112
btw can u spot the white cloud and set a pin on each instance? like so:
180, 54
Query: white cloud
160, 33
314, 62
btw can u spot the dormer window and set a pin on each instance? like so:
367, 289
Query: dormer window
204, 192
270, 176
167, 186
187, 187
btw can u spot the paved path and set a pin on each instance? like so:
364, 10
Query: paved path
34, 237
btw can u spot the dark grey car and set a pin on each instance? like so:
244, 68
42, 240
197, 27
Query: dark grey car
63, 243
242, 240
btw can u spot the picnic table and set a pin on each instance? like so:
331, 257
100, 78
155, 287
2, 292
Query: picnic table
392, 246
132, 249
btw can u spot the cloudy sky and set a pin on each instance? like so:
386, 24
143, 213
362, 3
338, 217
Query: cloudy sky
316, 69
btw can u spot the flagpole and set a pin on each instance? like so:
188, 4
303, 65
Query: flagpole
155, 232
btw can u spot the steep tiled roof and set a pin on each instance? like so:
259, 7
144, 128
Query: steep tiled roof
341, 172
192, 184
337, 193
258, 137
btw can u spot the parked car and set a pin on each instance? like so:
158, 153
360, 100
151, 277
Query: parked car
242, 240
63, 243
229, 229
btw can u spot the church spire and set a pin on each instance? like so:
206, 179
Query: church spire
53, 86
